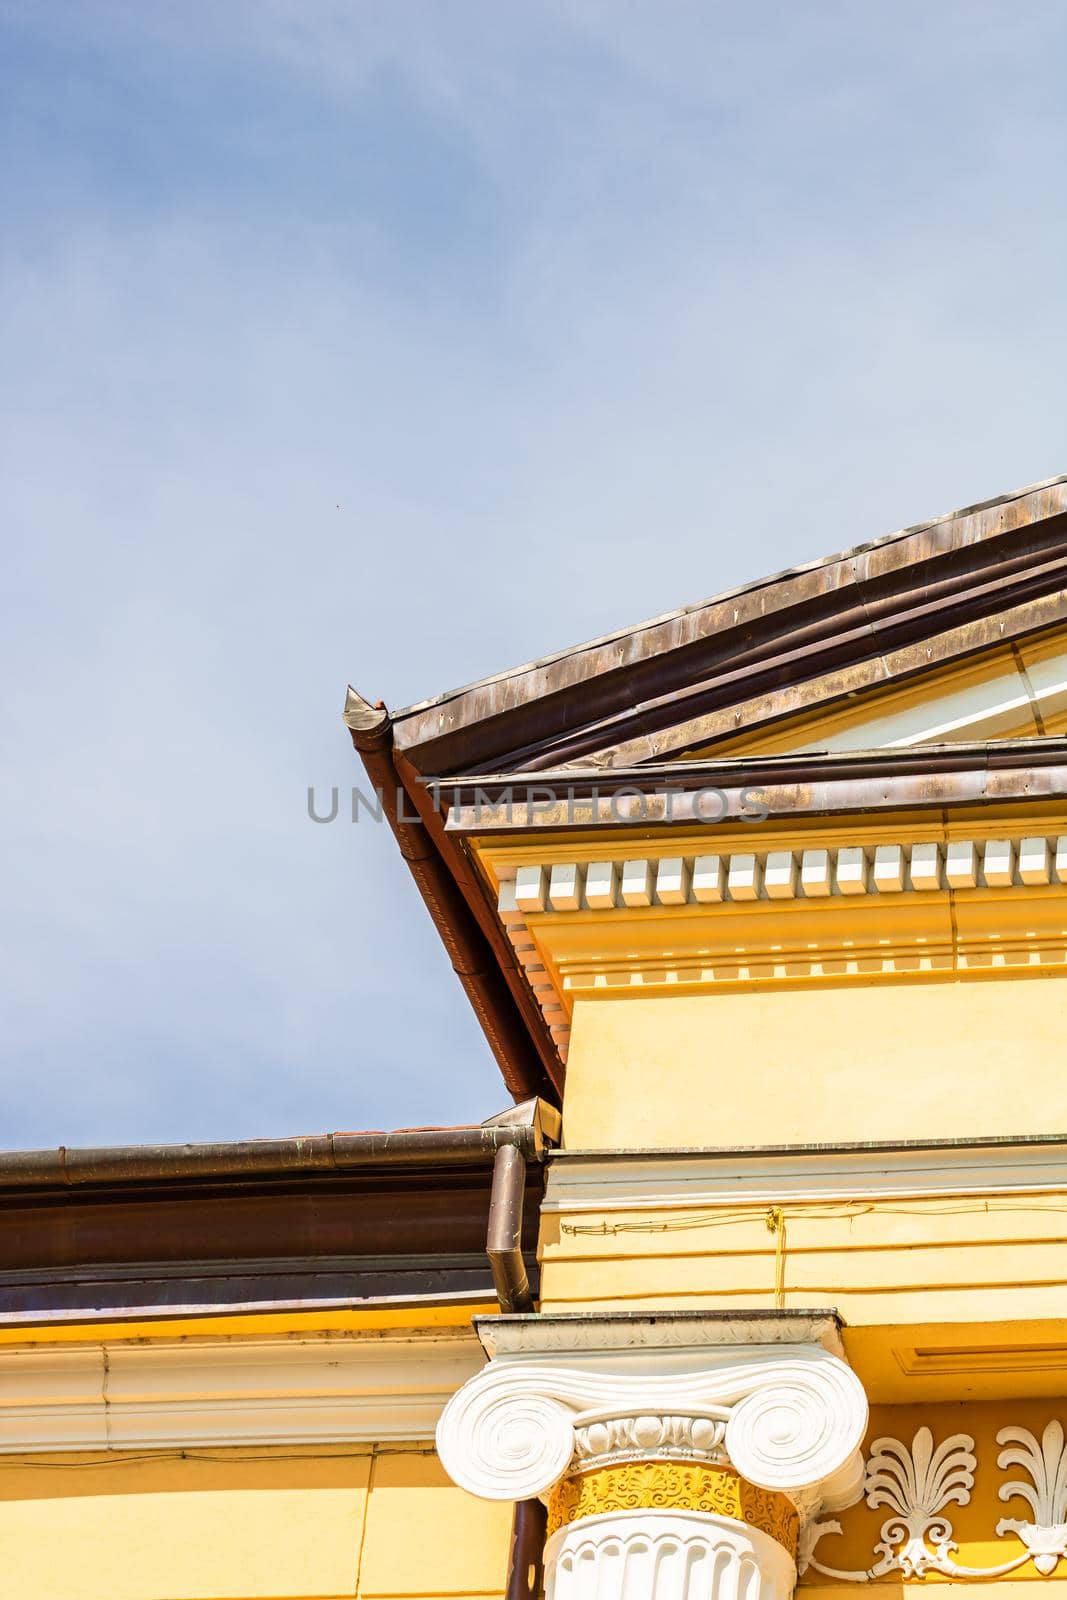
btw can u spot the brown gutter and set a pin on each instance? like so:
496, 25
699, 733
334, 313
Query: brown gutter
323, 1153
480, 954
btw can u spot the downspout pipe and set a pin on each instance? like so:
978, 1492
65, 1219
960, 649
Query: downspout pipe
503, 1245
526, 1561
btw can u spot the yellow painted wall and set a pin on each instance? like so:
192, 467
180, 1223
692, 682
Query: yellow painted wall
809, 1065
245, 1525
879, 1263
426, 1537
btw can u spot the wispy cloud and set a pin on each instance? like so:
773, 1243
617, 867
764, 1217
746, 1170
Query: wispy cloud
400, 343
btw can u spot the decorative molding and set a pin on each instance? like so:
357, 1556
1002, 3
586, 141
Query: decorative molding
600, 1441
844, 870
793, 1416
161, 1395
542, 982
1046, 1495
668, 1486
665, 1555
839, 913
581, 1181
918, 1482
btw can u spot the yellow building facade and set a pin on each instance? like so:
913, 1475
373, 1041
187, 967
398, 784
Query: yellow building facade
763, 909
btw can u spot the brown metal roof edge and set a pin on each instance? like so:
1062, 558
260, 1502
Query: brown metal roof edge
480, 955
334, 1153
725, 657
419, 706
833, 582
796, 784
797, 766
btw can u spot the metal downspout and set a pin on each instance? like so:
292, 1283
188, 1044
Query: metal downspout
503, 1246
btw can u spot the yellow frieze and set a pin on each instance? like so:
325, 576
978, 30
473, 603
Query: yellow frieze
673, 1486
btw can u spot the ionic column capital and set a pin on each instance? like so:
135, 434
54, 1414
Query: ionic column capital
769, 1397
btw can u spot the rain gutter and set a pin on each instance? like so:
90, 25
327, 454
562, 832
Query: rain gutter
480, 955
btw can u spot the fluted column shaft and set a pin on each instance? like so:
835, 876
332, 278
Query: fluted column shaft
665, 1555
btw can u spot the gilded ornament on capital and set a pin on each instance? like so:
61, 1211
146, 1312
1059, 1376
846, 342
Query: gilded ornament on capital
673, 1486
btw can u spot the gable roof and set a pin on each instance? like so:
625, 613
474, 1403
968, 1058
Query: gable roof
675, 692
840, 625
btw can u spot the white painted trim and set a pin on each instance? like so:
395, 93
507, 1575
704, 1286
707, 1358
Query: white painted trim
653, 1181
362, 1388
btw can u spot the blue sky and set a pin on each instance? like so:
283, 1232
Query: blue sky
400, 343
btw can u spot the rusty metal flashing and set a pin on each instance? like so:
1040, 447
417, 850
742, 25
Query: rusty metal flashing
754, 641
886, 671
802, 784
480, 955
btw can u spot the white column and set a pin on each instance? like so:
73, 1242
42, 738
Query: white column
678, 1454
666, 1555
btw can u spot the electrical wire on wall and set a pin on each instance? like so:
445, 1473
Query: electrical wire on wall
775, 1219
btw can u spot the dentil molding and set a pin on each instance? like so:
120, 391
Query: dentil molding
845, 870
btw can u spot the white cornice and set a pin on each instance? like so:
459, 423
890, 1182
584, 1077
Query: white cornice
628, 1338
578, 1181
343, 1389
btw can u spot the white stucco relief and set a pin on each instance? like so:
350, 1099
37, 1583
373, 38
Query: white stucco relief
918, 1482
